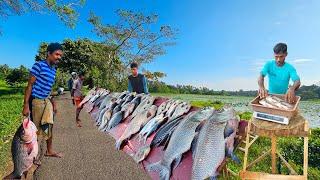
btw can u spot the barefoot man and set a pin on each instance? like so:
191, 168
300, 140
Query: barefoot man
37, 103
279, 73
77, 95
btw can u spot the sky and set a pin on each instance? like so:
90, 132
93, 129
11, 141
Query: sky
220, 45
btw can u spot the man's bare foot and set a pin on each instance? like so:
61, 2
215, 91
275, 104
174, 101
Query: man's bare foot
37, 162
78, 124
54, 154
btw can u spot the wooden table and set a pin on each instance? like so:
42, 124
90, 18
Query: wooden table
297, 127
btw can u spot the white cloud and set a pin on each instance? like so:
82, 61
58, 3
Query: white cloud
299, 61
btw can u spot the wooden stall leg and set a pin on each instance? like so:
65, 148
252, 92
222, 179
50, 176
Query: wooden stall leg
273, 153
305, 157
245, 159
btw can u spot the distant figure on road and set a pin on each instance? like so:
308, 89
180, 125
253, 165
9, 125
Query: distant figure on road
37, 103
137, 82
70, 83
76, 93
279, 73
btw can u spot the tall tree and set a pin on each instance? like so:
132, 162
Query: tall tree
65, 11
133, 37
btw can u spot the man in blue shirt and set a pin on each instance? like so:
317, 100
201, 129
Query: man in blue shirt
279, 73
37, 103
137, 82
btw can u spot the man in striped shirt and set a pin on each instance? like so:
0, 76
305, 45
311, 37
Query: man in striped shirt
37, 103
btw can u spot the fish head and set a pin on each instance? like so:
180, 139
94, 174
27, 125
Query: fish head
203, 114
29, 130
152, 110
225, 114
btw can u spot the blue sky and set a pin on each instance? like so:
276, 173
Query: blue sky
221, 45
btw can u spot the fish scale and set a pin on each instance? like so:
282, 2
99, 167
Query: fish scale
209, 151
136, 124
180, 142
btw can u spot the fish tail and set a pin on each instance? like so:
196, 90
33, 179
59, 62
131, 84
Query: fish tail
164, 172
141, 154
235, 158
118, 144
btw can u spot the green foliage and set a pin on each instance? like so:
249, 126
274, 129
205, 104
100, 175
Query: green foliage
214, 104
4, 71
134, 38
18, 76
84, 55
292, 148
245, 115
10, 112
66, 12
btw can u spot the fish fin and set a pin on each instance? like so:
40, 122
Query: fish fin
199, 127
235, 158
194, 145
228, 131
177, 161
166, 142
213, 177
118, 144
142, 154
164, 172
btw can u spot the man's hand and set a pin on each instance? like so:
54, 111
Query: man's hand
263, 93
290, 96
26, 110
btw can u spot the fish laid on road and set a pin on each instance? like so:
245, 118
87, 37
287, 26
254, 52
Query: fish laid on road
161, 137
136, 124
209, 151
24, 149
146, 103
151, 126
180, 142
181, 109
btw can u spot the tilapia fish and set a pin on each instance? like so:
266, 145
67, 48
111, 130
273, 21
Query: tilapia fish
151, 126
89, 95
120, 112
181, 109
209, 151
146, 102
162, 136
102, 115
172, 108
180, 142
24, 149
162, 107
136, 124
275, 102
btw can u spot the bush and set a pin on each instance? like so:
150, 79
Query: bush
18, 76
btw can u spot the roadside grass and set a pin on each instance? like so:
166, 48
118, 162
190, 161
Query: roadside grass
10, 119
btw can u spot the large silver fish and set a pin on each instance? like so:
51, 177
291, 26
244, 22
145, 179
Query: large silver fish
151, 126
146, 102
181, 109
162, 107
162, 136
24, 149
136, 124
210, 146
180, 142
172, 108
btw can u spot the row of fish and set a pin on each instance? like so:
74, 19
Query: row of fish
207, 132
272, 101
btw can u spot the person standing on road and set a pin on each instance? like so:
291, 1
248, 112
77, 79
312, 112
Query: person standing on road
279, 73
37, 103
76, 93
137, 82
70, 84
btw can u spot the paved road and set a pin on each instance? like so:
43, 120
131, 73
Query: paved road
88, 153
